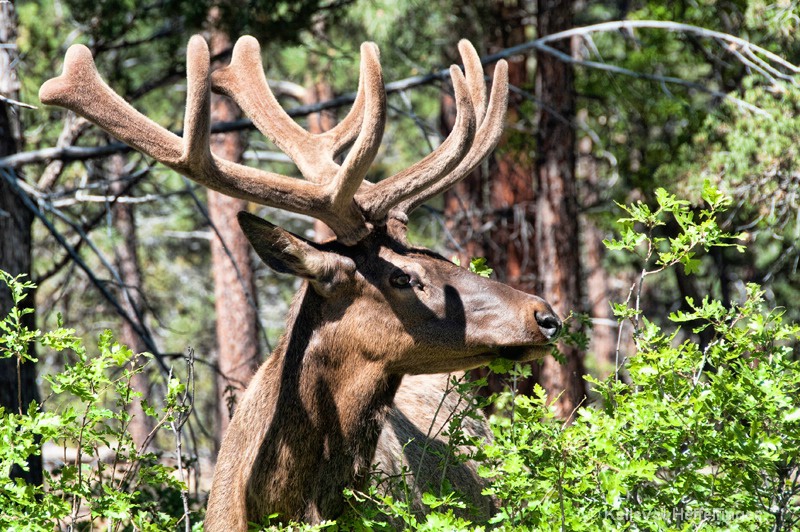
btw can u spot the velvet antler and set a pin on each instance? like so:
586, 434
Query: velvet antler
334, 193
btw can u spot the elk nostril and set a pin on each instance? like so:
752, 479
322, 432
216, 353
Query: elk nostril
549, 324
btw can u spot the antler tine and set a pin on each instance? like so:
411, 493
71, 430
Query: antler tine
79, 88
377, 201
333, 192
197, 118
488, 135
243, 80
352, 172
346, 131
474, 73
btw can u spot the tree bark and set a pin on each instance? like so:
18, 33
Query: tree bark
557, 241
318, 89
237, 325
130, 297
17, 390
602, 343
522, 216
492, 213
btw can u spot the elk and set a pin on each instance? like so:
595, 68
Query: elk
373, 308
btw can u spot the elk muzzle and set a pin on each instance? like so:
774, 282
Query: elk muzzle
549, 324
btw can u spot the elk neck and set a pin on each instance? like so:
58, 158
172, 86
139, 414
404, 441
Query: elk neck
325, 404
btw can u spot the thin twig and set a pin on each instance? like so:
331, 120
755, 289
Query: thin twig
246, 290
11, 101
177, 429
86, 226
142, 329
619, 335
76, 498
19, 383
634, 24
428, 437
30, 205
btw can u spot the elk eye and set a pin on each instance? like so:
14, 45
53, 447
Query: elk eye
400, 280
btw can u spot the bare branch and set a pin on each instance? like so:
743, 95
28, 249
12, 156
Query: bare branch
204, 211
11, 101
652, 77
86, 227
73, 128
12, 180
184, 411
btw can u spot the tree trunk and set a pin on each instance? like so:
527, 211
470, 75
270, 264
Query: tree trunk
130, 297
318, 90
522, 216
500, 204
557, 242
237, 316
15, 245
603, 340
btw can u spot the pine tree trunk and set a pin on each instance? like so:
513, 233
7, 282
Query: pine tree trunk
522, 215
499, 205
130, 297
320, 90
603, 340
17, 389
237, 330
556, 228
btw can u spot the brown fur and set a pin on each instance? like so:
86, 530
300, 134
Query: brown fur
414, 440
309, 424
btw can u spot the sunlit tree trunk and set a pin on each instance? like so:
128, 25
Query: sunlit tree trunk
491, 211
237, 325
602, 342
17, 385
513, 213
130, 296
557, 242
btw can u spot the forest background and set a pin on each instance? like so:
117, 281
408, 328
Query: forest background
687, 96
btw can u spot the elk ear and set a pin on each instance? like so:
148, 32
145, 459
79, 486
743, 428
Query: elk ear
283, 251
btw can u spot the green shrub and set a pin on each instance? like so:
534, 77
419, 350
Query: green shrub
683, 437
87, 411
692, 437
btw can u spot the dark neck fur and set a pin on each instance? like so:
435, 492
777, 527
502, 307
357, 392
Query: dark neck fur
330, 409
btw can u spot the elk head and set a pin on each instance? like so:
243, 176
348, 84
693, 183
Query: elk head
408, 307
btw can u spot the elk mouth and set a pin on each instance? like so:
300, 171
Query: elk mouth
514, 353
518, 353
523, 353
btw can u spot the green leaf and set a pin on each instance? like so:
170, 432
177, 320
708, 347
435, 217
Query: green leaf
479, 266
690, 265
501, 365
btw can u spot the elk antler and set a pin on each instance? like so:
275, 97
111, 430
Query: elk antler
490, 120
332, 192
